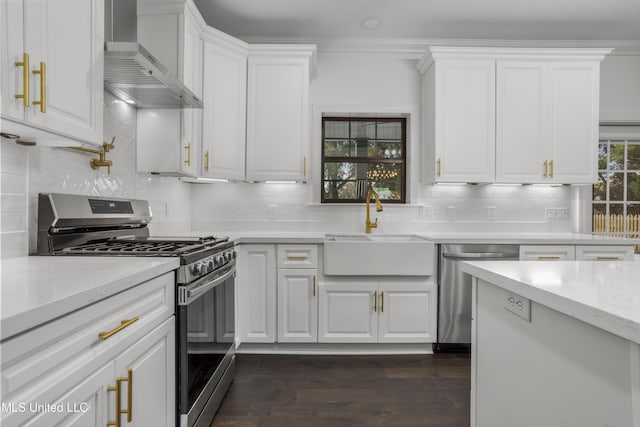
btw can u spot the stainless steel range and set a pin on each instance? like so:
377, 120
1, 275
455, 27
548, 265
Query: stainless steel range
79, 225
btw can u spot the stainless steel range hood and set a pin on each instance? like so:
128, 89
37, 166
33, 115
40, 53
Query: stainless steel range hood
131, 73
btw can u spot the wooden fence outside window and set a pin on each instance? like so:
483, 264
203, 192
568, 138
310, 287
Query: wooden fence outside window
618, 225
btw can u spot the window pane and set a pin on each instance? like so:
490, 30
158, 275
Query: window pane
616, 186
599, 208
338, 148
633, 209
616, 160
385, 149
633, 186
603, 149
345, 180
633, 156
600, 191
386, 180
363, 129
336, 129
389, 130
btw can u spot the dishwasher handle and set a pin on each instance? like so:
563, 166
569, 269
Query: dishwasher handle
480, 255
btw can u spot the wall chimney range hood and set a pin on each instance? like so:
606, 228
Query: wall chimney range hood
131, 72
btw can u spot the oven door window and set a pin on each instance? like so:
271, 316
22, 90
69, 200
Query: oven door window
207, 338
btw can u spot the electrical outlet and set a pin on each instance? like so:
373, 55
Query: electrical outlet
556, 213
426, 211
520, 306
272, 212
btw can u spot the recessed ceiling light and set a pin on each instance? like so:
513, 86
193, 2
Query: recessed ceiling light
371, 23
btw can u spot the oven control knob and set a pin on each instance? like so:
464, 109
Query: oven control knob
233, 254
227, 256
210, 265
220, 260
197, 269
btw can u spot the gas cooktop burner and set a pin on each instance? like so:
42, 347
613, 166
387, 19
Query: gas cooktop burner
141, 246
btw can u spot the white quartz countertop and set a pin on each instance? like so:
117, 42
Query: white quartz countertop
603, 294
317, 237
37, 289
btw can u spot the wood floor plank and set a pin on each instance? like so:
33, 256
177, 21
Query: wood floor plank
309, 391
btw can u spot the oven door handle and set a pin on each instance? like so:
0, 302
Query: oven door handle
188, 294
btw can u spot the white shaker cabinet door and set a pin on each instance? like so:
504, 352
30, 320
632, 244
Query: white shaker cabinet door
64, 77
297, 305
278, 114
149, 366
224, 114
520, 121
407, 312
465, 121
573, 137
256, 279
348, 312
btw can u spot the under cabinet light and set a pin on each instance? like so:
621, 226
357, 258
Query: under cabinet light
200, 180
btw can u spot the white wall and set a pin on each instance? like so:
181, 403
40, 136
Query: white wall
349, 81
27, 171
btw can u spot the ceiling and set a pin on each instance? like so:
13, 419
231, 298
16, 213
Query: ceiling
426, 19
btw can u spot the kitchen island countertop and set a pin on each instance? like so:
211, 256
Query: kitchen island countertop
603, 294
37, 289
317, 237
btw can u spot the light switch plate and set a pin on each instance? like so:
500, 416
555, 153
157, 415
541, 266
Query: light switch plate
518, 305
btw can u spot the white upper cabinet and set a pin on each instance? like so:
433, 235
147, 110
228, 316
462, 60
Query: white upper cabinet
544, 105
52, 70
169, 141
278, 111
224, 114
547, 121
459, 120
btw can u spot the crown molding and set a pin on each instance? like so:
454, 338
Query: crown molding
416, 48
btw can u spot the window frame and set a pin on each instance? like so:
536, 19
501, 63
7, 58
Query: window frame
344, 159
608, 172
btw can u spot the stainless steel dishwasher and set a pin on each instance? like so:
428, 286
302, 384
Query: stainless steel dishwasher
454, 291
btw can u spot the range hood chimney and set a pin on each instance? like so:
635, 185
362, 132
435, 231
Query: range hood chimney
131, 73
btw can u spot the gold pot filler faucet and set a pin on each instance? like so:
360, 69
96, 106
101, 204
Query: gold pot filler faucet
368, 224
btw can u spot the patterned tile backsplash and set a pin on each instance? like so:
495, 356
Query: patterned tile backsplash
27, 171
180, 207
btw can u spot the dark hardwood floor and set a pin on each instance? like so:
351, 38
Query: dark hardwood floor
309, 391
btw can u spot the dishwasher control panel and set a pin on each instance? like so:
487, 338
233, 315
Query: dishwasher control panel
518, 305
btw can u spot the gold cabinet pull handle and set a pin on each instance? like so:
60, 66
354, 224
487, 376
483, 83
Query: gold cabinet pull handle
375, 301
542, 257
25, 79
305, 166
118, 390
129, 410
608, 258
439, 167
297, 257
123, 324
382, 302
206, 161
314, 285
188, 148
43, 87
551, 168
546, 168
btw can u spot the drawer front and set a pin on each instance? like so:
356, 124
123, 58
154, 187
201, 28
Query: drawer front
69, 343
604, 253
547, 253
297, 256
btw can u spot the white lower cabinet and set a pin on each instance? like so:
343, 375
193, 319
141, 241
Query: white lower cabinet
297, 305
64, 374
604, 253
371, 311
547, 253
147, 365
577, 252
256, 276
